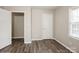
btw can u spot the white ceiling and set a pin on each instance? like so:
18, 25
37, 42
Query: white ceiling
45, 7
23, 7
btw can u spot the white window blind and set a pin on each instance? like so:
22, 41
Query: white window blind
74, 23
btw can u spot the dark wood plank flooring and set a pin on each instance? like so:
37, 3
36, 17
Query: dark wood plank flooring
41, 46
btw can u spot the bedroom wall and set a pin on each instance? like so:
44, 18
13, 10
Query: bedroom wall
61, 29
37, 19
27, 25
27, 19
5, 28
34, 14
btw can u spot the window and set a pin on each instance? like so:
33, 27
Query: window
74, 22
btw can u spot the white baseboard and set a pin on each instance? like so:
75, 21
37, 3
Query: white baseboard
36, 39
65, 46
5, 44
16, 37
27, 42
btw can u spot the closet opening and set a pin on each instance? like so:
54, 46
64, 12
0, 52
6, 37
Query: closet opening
17, 27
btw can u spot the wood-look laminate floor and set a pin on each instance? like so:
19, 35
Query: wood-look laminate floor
41, 46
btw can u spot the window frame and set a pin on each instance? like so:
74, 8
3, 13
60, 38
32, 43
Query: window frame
70, 25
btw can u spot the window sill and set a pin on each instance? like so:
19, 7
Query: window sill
75, 37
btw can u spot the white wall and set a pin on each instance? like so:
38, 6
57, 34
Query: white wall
47, 26
36, 18
61, 29
37, 23
5, 28
27, 26
27, 20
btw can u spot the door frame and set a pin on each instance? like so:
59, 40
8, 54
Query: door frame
12, 20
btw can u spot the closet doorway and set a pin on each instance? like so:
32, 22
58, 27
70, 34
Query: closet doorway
17, 27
